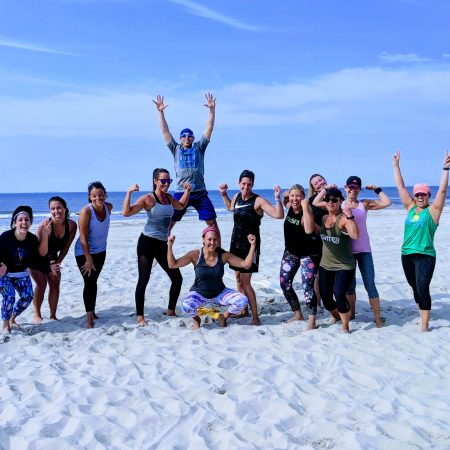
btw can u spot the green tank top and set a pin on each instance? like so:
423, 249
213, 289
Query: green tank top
419, 233
336, 250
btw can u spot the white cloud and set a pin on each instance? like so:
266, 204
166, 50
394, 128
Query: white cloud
401, 58
207, 13
5, 42
370, 95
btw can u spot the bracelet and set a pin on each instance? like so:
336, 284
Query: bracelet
377, 190
446, 168
350, 217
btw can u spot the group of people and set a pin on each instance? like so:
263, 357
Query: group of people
325, 236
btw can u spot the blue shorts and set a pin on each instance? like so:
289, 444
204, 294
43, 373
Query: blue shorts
198, 200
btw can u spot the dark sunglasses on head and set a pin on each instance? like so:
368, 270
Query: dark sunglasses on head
331, 199
165, 180
186, 136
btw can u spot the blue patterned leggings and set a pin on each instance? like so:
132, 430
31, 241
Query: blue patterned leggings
8, 288
228, 297
308, 266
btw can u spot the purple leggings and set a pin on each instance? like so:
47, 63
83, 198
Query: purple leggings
228, 297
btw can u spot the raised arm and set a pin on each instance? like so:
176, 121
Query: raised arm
160, 107
318, 200
439, 201
277, 211
382, 203
308, 217
246, 263
142, 202
189, 257
181, 204
405, 196
223, 189
348, 223
211, 105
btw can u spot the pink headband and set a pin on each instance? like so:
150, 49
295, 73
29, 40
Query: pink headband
208, 229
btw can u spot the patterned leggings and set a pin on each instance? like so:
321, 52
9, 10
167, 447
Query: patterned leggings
308, 266
8, 288
228, 297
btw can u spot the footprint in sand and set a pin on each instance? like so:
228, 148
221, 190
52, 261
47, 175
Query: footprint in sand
227, 363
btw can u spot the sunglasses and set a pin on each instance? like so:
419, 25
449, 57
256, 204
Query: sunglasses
165, 180
186, 136
331, 199
420, 194
353, 186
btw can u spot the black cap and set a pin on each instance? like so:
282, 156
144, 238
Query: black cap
353, 180
334, 192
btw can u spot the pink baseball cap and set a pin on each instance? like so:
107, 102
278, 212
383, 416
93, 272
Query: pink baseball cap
421, 188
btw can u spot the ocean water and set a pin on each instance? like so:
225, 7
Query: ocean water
76, 200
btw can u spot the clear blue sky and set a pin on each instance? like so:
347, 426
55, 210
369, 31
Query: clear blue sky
302, 86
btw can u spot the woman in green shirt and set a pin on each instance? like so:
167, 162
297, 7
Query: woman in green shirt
418, 253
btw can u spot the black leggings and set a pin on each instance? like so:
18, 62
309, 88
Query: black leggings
149, 249
419, 270
90, 282
337, 283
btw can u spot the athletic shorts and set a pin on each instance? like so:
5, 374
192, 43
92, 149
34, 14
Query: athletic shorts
198, 200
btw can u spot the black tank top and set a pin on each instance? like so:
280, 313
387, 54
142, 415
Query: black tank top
55, 244
296, 241
246, 219
208, 280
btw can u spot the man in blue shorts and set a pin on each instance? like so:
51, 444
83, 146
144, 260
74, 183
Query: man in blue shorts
189, 162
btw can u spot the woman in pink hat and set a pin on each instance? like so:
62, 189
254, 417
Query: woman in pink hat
418, 253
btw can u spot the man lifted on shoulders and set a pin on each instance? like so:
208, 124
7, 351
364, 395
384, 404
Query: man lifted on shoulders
189, 162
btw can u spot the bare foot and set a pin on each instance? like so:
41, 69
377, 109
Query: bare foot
6, 327
297, 316
424, 330
37, 320
141, 322
222, 321
196, 323
90, 320
14, 324
53, 318
379, 323
255, 321
311, 324
170, 313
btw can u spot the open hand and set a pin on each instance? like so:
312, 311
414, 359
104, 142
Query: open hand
159, 103
210, 101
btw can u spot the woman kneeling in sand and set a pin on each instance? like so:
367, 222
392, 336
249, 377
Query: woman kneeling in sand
208, 286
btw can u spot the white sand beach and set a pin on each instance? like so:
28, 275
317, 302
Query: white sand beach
241, 387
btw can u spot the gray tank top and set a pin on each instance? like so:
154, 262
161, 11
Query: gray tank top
158, 220
336, 250
208, 280
97, 234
